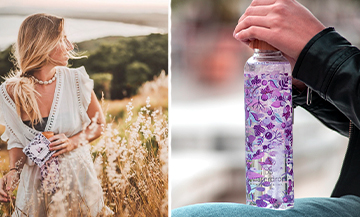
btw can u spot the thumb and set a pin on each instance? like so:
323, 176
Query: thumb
9, 182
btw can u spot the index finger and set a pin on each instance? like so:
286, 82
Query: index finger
255, 11
55, 137
262, 2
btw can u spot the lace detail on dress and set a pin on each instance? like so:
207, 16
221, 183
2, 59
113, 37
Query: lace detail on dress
78, 93
7, 96
11, 103
55, 103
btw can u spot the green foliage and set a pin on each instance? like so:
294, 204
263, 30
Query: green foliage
127, 59
102, 84
130, 60
5, 63
136, 74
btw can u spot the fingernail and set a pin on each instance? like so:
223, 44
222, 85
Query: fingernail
237, 35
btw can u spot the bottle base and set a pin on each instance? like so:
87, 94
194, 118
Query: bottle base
269, 205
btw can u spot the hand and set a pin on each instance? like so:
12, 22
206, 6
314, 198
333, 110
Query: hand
7, 184
61, 144
285, 24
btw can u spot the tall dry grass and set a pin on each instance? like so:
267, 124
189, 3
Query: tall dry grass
130, 158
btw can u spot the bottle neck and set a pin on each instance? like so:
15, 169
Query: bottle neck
267, 53
268, 56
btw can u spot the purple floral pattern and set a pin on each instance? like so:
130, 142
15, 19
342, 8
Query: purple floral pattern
269, 164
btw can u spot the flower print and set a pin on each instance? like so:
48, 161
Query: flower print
261, 203
266, 121
268, 161
273, 84
270, 126
258, 130
258, 155
264, 97
253, 175
248, 161
288, 132
264, 82
286, 112
272, 200
250, 138
266, 90
248, 187
249, 145
268, 135
256, 80
284, 83
260, 188
288, 199
265, 93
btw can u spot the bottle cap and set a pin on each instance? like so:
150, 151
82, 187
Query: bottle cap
48, 134
261, 45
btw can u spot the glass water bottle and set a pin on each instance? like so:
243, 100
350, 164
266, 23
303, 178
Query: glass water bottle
268, 121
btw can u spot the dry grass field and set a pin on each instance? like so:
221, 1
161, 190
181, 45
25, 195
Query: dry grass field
131, 158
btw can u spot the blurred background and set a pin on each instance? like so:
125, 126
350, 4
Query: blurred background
207, 117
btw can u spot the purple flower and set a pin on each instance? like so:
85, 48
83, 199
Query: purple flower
288, 132
256, 80
286, 115
261, 203
266, 90
270, 126
273, 200
265, 197
258, 130
289, 190
264, 82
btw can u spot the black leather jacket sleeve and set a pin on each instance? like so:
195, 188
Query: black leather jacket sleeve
324, 111
330, 66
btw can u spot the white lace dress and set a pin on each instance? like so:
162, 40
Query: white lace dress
79, 185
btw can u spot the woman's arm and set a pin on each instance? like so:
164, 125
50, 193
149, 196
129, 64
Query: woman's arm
9, 181
62, 144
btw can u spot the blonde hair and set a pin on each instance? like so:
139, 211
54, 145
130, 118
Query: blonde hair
39, 34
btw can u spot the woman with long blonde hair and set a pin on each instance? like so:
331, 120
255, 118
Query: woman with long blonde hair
43, 94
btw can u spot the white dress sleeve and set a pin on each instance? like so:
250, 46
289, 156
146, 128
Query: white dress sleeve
86, 86
12, 141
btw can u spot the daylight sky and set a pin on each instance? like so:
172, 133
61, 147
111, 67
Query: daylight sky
151, 5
